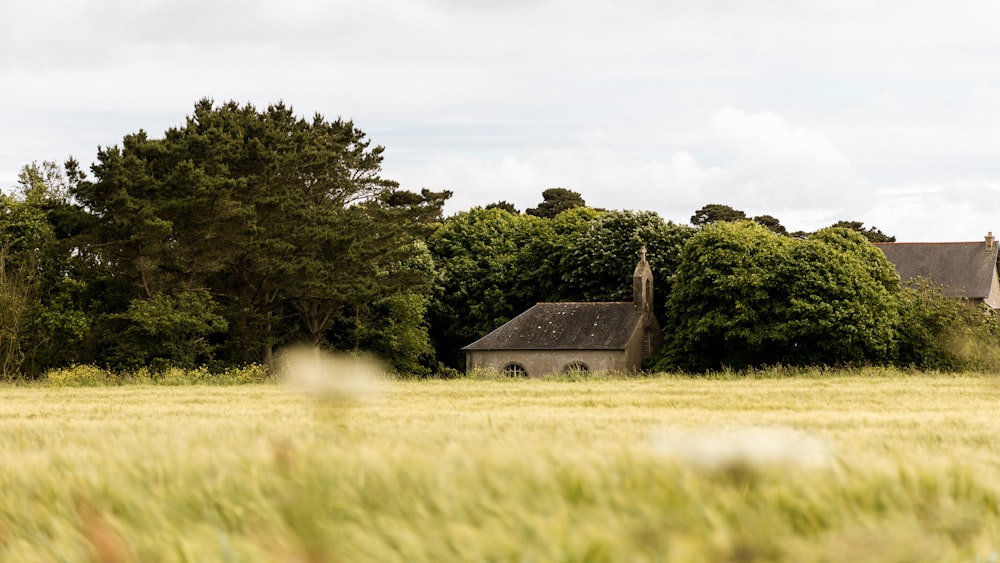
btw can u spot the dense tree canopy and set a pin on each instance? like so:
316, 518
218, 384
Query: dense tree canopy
486, 264
243, 230
493, 265
599, 261
252, 228
873, 234
745, 296
716, 212
555, 201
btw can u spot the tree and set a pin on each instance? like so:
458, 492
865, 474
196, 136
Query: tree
167, 331
282, 223
721, 308
600, 259
505, 205
555, 201
771, 223
837, 303
22, 228
486, 261
714, 213
41, 320
871, 233
745, 296
936, 332
493, 265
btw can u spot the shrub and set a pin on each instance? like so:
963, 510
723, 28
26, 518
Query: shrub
79, 376
942, 333
250, 373
746, 297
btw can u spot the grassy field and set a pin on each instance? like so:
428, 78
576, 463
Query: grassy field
845, 467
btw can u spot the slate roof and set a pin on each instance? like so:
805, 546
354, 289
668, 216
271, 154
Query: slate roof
565, 326
965, 269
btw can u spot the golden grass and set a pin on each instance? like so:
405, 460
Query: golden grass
504, 470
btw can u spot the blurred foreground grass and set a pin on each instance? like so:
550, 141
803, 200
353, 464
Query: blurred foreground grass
858, 468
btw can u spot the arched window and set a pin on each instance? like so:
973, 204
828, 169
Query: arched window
515, 370
647, 342
576, 367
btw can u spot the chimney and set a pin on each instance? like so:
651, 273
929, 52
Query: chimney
989, 240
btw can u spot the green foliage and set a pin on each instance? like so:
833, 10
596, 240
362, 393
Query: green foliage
600, 259
505, 205
720, 310
745, 296
88, 375
285, 222
493, 265
838, 301
716, 212
201, 375
873, 234
488, 261
555, 201
394, 328
39, 272
771, 223
166, 330
79, 376
943, 333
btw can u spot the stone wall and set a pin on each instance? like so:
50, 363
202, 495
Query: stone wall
546, 362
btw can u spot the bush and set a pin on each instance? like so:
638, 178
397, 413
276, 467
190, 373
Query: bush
79, 376
942, 333
89, 375
236, 375
745, 297
250, 373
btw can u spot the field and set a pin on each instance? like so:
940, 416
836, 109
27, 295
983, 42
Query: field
863, 466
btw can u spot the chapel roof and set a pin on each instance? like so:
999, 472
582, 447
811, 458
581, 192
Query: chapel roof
565, 326
964, 269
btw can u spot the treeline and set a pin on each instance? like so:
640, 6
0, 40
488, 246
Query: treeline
244, 231
232, 235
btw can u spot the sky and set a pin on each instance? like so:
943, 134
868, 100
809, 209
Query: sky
812, 111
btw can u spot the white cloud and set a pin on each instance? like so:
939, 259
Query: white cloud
771, 167
780, 167
605, 179
954, 211
497, 100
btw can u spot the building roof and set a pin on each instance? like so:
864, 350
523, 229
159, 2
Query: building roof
565, 326
965, 269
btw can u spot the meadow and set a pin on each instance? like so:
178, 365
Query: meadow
867, 465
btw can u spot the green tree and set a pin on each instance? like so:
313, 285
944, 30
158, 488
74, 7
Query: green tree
714, 213
555, 201
837, 301
601, 257
721, 308
871, 233
772, 224
41, 321
284, 222
167, 331
505, 205
481, 256
21, 225
745, 296
936, 332
493, 265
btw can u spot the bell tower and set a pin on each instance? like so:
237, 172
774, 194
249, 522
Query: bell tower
642, 283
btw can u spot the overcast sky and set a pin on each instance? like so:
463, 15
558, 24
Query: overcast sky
812, 111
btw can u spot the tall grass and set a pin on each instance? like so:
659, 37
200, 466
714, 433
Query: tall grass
526, 470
